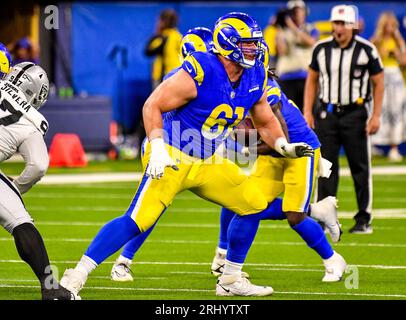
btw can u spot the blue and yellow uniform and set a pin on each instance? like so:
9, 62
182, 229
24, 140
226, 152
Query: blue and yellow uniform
5, 61
295, 177
218, 108
193, 132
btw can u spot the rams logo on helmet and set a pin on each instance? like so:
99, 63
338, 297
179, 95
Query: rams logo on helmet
196, 39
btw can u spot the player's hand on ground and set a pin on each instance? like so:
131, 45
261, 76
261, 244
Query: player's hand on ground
159, 160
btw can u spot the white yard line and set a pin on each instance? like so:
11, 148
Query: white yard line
91, 177
396, 213
64, 195
205, 264
136, 176
212, 291
203, 242
289, 269
188, 272
177, 225
108, 196
114, 209
57, 194
143, 278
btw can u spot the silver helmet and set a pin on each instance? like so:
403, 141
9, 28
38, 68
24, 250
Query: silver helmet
32, 81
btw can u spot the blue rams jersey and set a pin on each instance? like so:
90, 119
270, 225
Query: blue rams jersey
298, 129
201, 125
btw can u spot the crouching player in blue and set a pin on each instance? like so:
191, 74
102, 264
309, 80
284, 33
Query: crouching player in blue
186, 118
295, 178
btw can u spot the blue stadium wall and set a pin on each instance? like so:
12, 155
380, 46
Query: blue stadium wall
102, 32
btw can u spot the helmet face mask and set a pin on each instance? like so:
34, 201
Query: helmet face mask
249, 53
233, 37
32, 80
264, 54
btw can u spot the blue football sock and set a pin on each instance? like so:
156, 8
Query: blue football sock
273, 211
241, 233
225, 219
312, 233
134, 244
111, 238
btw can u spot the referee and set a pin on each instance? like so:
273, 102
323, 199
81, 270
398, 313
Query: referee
347, 73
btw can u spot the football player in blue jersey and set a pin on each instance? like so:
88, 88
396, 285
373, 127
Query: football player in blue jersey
201, 39
5, 61
295, 178
268, 174
186, 118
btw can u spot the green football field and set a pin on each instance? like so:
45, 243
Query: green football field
174, 262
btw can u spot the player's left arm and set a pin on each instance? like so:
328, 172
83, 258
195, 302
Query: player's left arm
271, 131
35, 155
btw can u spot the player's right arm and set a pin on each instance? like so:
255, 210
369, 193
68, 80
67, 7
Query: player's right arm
171, 94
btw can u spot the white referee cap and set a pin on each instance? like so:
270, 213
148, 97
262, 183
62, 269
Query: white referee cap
345, 13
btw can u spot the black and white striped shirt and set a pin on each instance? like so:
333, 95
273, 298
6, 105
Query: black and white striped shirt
345, 72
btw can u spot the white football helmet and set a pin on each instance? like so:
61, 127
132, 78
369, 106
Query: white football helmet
32, 80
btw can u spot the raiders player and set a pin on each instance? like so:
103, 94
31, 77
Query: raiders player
23, 91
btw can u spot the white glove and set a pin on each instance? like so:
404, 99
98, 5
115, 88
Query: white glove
293, 150
324, 168
159, 159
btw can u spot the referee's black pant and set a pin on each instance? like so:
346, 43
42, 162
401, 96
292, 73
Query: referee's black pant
294, 90
345, 126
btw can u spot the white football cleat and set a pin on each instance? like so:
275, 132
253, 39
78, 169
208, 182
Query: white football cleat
234, 285
335, 267
73, 280
217, 266
121, 271
325, 211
